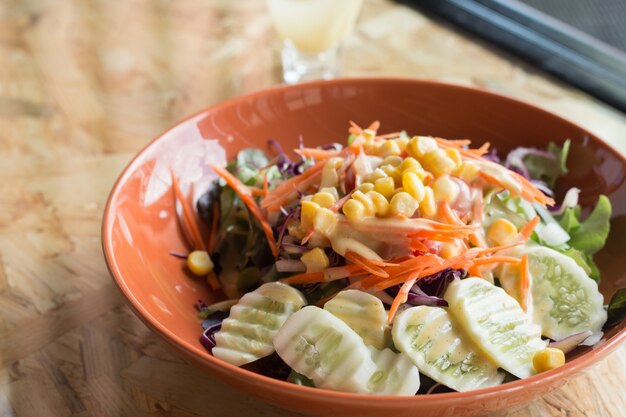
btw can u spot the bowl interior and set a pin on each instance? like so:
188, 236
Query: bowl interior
140, 228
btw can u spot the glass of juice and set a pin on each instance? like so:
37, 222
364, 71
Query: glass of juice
312, 31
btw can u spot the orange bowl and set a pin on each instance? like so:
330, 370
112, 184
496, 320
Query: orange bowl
140, 226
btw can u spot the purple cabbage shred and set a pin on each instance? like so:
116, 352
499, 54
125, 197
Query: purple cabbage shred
492, 156
284, 164
292, 213
429, 290
211, 325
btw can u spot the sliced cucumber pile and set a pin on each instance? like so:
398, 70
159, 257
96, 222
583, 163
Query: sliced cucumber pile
320, 346
429, 337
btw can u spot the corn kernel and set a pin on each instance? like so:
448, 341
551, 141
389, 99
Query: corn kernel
468, 171
354, 210
331, 190
449, 250
370, 209
547, 359
389, 148
402, 143
403, 204
438, 162
455, 155
393, 172
420, 146
502, 232
365, 187
372, 148
369, 134
445, 189
413, 185
315, 260
324, 199
324, 221
428, 205
380, 202
334, 162
384, 186
411, 164
374, 175
307, 214
199, 262
393, 160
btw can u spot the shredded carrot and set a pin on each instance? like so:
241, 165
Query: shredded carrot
475, 240
450, 215
524, 282
330, 274
483, 149
339, 203
474, 271
305, 278
489, 251
374, 126
243, 193
389, 135
353, 255
188, 217
317, 154
400, 299
418, 245
366, 264
306, 237
276, 198
527, 230
266, 185
256, 191
496, 259
355, 129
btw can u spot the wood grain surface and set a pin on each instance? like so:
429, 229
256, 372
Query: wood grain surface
83, 86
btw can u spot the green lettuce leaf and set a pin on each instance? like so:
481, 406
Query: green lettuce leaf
548, 169
249, 162
588, 236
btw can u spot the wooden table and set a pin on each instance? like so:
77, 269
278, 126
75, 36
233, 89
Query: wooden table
83, 86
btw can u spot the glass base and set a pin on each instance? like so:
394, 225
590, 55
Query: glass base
299, 66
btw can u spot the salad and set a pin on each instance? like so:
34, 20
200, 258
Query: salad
397, 264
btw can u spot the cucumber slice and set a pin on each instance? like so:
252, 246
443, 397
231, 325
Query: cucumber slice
320, 346
430, 338
323, 348
395, 374
364, 313
248, 332
565, 300
496, 324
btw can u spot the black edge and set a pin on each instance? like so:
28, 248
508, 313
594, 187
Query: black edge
548, 43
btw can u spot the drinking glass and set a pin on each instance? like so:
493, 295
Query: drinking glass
312, 31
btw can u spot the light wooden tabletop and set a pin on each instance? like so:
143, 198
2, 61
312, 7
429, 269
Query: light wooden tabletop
83, 86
